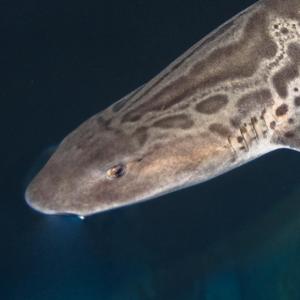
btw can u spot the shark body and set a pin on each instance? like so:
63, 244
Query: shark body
230, 98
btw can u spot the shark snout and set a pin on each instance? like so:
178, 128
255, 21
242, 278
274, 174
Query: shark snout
34, 200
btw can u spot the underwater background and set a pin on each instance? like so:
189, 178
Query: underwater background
234, 237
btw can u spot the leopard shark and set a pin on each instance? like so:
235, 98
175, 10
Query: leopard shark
229, 99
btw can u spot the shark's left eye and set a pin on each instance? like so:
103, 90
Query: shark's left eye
116, 171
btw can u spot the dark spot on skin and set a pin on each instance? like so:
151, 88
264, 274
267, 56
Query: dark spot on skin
220, 129
284, 30
282, 110
235, 122
282, 77
273, 125
291, 121
297, 101
240, 139
243, 130
212, 105
254, 101
289, 134
296, 90
178, 121
275, 26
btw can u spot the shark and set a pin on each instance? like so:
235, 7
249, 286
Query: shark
229, 99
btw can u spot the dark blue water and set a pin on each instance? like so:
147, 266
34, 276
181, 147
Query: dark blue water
235, 237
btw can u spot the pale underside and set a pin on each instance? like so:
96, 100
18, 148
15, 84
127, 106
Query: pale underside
231, 98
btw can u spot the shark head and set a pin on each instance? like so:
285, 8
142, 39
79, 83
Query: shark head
96, 168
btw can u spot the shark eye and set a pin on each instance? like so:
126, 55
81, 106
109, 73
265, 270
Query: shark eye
116, 171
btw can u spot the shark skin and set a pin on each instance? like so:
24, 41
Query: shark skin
230, 98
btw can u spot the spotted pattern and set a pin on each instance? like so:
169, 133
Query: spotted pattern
225, 86
254, 101
225, 63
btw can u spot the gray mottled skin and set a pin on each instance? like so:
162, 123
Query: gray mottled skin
232, 97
